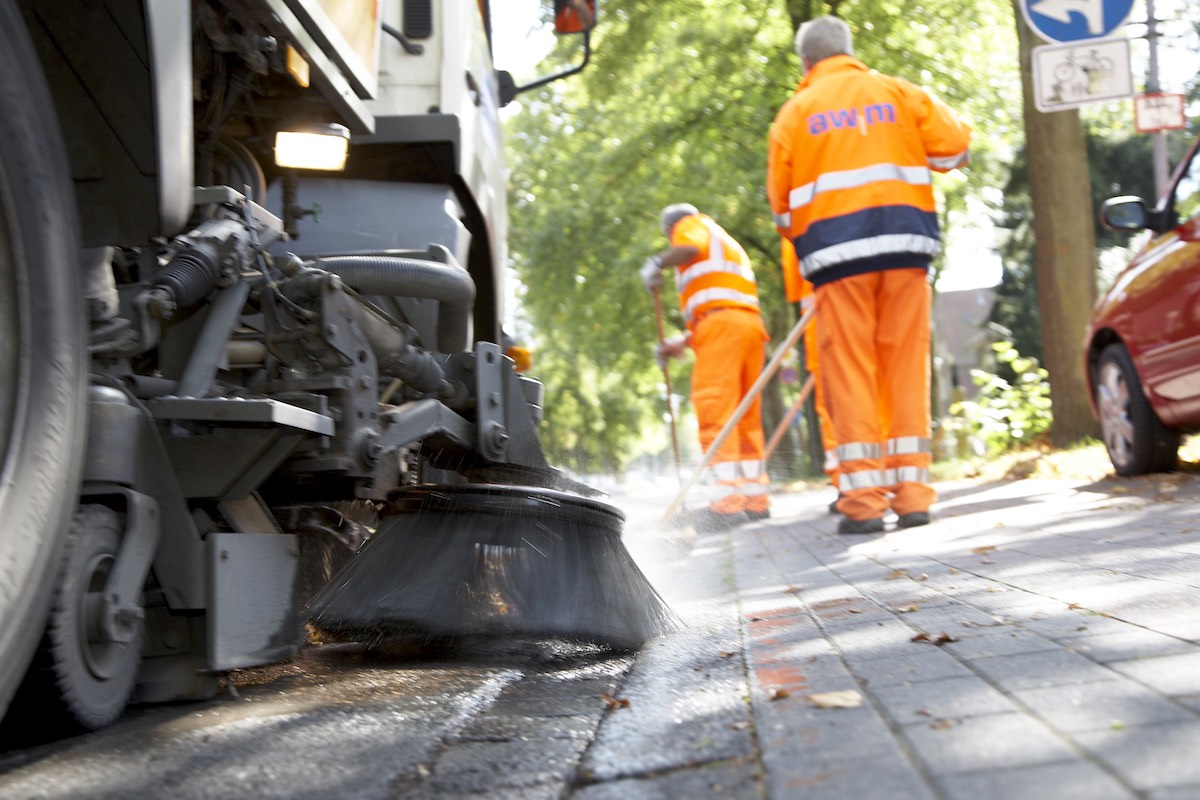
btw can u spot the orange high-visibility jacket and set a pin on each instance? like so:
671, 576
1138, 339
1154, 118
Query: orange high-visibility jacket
719, 277
848, 169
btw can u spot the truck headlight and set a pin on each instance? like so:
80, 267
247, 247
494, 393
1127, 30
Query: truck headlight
313, 147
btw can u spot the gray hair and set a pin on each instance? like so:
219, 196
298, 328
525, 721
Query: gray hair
823, 37
673, 213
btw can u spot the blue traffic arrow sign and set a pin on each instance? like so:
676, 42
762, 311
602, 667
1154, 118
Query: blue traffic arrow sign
1075, 20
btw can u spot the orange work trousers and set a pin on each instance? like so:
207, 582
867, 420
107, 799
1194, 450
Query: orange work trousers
873, 341
728, 345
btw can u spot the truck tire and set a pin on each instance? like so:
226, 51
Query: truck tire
43, 366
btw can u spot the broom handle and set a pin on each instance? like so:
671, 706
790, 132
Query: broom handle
658, 315
777, 436
744, 406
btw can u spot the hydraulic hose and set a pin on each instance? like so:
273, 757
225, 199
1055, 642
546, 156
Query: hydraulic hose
398, 276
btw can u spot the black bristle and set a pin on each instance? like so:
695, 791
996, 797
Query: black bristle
495, 560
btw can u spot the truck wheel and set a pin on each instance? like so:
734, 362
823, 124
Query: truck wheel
42, 351
80, 678
1136, 439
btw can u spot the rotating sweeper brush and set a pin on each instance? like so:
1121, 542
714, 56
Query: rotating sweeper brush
493, 560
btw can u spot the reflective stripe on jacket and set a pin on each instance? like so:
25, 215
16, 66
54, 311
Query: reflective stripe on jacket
848, 169
719, 277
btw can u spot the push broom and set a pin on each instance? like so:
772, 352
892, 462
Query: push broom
658, 316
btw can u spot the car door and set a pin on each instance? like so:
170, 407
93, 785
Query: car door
1165, 312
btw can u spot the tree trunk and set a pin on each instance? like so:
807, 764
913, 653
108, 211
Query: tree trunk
1064, 248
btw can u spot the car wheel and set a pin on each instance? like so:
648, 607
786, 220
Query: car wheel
43, 356
1136, 439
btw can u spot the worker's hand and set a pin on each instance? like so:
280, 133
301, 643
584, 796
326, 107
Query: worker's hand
671, 348
651, 273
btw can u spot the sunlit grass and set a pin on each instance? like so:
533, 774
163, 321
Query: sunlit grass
1087, 461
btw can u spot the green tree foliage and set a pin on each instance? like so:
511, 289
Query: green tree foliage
675, 107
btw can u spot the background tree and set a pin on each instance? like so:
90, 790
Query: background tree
1064, 248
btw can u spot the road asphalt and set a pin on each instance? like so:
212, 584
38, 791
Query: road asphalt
1038, 638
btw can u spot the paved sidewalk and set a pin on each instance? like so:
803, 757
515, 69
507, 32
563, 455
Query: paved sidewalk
1039, 639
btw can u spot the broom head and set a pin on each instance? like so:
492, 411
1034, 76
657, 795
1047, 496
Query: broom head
492, 560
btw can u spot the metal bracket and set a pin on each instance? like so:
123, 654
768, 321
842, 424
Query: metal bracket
122, 608
489, 400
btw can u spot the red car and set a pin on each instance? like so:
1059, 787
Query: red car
1143, 345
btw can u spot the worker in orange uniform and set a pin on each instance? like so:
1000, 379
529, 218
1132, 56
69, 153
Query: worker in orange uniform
798, 289
718, 296
848, 178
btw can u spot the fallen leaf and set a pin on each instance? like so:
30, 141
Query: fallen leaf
794, 589
923, 712
953, 570
614, 702
855, 610
896, 574
942, 724
909, 609
987, 548
922, 577
986, 561
939, 640
844, 699
776, 693
1074, 606
725, 653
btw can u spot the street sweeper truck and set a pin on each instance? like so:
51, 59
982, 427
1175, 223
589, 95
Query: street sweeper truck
251, 259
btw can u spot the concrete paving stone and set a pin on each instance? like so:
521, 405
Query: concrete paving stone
773, 677
1171, 675
1175, 793
1149, 757
925, 664
1136, 643
956, 619
1191, 701
948, 698
888, 777
1066, 780
864, 639
1040, 669
1001, 641
989, 742
722, 779
1101, 705
995, 598
1181, 629
896, 594
833, 753
1063, 623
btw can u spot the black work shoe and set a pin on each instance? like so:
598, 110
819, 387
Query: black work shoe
913, 520
833, 509
755, 516
847, 525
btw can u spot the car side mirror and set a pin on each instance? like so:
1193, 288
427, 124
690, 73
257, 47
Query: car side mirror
1125, 214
